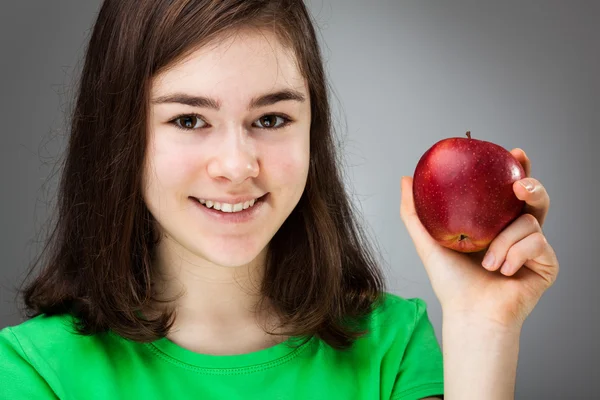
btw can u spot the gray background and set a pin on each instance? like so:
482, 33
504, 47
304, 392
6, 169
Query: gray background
405, 75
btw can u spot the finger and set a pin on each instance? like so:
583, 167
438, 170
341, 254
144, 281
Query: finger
535, 196
520, 155
520, 228
535, 253
421, 238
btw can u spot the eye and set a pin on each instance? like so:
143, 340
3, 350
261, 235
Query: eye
272, 121
188, 122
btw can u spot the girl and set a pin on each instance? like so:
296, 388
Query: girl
205, 246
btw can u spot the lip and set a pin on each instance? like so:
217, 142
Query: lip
243, 216
231, 200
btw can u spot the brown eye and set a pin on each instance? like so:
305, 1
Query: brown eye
268, 121
188, 122
272, 121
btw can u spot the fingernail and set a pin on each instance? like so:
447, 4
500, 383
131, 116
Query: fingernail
488, 260
505, 268
527, 184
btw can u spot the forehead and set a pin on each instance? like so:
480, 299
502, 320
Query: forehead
234, 67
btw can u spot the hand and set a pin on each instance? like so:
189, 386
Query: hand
525, 264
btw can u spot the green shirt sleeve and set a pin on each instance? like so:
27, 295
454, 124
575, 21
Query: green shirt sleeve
420, 373
19, 378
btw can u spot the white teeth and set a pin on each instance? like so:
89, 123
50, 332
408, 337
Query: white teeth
226, 207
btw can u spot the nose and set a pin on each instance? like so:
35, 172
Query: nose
235, 159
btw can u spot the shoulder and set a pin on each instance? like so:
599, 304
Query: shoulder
55, 337
42, 338
401, 326
40, 329
403, 340
397, 303
49, 343
30, 352
396, 311
41, 324
397, 321
41, 334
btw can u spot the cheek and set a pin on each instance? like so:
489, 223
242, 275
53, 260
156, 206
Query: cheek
289, 168
170, 170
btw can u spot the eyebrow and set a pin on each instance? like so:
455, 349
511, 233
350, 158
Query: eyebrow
205, 102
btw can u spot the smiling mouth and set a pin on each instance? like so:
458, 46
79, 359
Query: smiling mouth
230, 208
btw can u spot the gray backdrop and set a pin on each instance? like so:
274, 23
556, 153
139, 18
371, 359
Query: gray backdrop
405, 75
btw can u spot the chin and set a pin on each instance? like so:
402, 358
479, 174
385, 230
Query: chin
232, 256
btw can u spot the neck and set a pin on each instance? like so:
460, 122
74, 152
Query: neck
204, 292
217, 309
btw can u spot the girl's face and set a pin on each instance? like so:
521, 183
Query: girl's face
227, 125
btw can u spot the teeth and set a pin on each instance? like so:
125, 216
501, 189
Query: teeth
228, 208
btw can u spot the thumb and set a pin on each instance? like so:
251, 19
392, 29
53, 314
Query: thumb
422, 240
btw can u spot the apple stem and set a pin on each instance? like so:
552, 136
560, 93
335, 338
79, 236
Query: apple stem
469, 134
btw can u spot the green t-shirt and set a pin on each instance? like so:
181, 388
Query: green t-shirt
400, 359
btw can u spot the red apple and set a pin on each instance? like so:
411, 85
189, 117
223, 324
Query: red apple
463, 192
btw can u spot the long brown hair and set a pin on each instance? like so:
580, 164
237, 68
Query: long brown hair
321, 274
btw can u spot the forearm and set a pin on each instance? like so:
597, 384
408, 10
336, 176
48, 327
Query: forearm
480, 359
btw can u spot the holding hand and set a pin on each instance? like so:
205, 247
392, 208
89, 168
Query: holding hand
519, 266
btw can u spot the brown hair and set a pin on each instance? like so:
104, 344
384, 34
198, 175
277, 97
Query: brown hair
321, 275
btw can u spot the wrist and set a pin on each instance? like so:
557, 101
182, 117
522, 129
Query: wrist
480, 321
480, 357
480, 332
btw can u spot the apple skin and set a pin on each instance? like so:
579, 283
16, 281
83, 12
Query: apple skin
463, 192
